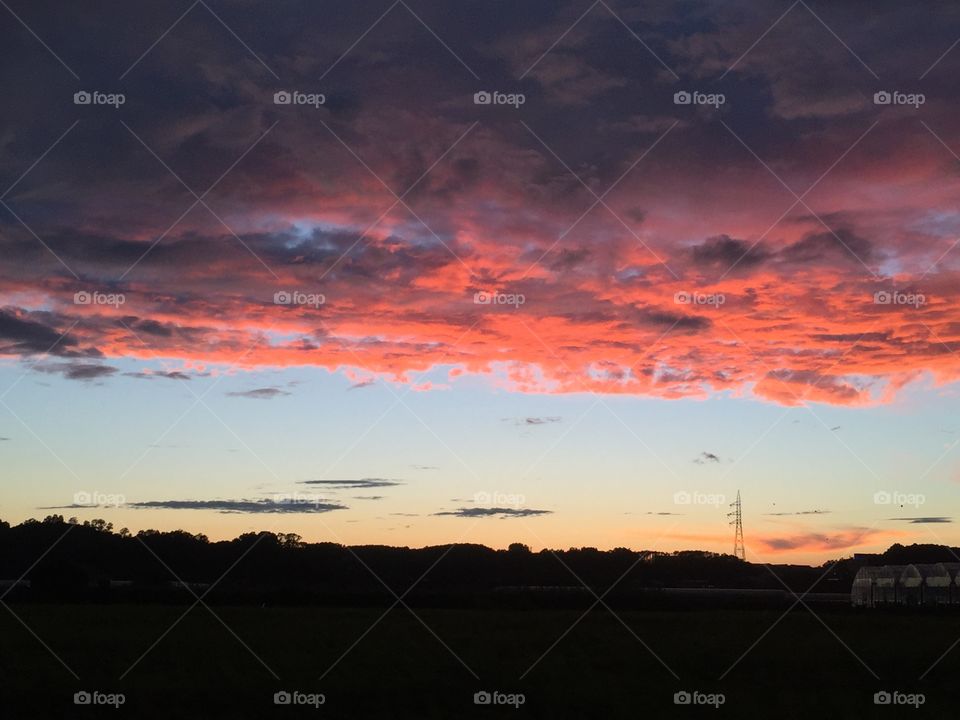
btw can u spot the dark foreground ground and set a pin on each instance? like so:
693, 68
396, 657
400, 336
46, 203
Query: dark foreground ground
404, 668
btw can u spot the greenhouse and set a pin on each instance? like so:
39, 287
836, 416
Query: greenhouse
918, 584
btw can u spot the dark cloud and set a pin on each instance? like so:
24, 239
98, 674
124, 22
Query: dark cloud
725, 252
923, 520
354, 484
706, 457
676, 321
495, 512
840, 244
241, 506
22, 336
368, 497
362, 384
76, 370
260, 393
150, 327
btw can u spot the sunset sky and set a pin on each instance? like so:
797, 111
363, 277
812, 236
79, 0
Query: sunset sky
389, 313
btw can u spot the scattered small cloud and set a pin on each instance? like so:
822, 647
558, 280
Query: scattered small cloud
800, 512
267, 393
494, 512
545, 420
362, 384
425, 467
706, 457
368, 497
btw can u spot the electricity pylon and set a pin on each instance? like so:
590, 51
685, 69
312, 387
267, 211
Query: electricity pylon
737, 515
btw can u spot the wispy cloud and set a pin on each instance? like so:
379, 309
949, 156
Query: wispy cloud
923, 520
267, 393
799, 512
354, 484
171, 375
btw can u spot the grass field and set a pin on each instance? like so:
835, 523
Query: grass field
400, 669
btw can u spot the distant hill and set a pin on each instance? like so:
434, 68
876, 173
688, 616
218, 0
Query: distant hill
92, 561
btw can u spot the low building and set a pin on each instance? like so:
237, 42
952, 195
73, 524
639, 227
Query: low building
915, 585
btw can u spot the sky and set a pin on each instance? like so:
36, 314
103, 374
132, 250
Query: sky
565, 274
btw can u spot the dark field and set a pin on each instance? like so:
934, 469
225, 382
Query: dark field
399, 669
